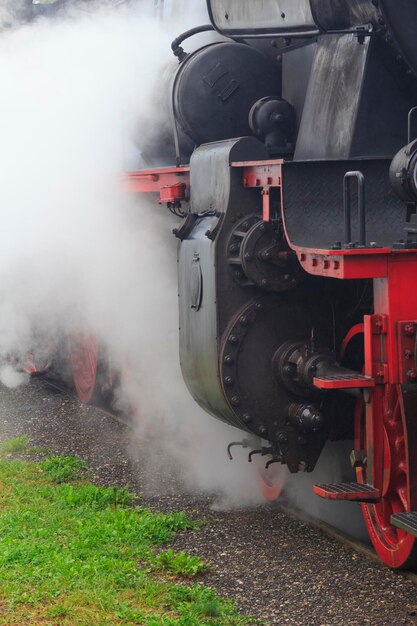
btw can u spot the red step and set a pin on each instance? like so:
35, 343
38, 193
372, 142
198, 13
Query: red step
353, 492
343, 381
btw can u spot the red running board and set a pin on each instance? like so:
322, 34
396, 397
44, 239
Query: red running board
353, 492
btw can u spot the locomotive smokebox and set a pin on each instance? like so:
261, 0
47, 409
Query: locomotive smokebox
214, 90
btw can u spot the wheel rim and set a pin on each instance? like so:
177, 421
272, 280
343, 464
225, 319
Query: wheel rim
83, 356
395, 547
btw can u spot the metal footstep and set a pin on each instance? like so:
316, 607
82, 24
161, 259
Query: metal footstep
351, 380
352, 492
405, 521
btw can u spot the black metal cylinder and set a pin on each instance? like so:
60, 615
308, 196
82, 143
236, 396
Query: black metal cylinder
216, 87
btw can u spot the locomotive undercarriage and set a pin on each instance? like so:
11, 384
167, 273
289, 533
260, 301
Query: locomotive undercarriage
235, 319
327, 352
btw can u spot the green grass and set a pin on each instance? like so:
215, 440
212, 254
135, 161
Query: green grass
19, 445
16, 445
62, 469
75, 554
178, 563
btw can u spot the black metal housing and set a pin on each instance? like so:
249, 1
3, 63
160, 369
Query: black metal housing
214, 90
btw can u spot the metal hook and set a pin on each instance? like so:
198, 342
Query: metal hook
261, 451
245, 443
271, 461
251, 454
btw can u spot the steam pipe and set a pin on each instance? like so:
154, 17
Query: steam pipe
176, 44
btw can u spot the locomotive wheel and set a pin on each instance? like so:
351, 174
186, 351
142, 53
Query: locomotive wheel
396, 548
83, 356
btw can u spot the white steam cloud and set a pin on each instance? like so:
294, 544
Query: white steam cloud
76, 253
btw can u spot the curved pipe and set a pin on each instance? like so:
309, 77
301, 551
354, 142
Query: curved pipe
176, 44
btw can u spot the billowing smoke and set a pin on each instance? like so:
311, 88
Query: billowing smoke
80, 97
77, 254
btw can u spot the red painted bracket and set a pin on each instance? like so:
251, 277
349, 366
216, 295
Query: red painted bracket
261, 175
344, 264
172, 193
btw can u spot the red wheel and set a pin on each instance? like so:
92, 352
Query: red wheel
396, 548
271, 481
83, 356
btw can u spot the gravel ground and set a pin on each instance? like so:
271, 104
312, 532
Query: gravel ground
277, 568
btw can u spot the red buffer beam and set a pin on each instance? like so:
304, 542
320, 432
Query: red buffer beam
172, 184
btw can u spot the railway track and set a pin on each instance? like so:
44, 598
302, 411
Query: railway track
343, 538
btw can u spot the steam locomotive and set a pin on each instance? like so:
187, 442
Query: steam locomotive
294, 173
291, 160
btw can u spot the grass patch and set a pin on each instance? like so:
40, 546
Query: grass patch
70, 555
178, 563
62, 469
17, 445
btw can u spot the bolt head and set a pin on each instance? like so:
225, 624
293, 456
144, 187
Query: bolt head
410, 329
289, 370
412, 375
